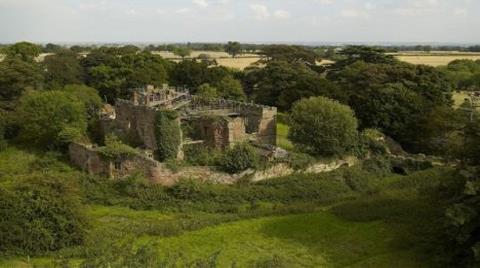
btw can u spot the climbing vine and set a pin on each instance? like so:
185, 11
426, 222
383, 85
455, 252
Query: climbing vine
167, 134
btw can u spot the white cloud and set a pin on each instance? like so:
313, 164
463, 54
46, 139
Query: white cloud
353, 13
160, 11
182, 10
201, 3
223, 2
369, 6
460, 12
100, 5
131, 12
261, 11
325, 2
281, 14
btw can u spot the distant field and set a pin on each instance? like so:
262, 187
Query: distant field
435, 58
196, 53
244, 60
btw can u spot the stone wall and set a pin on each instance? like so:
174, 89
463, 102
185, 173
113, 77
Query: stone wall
259, 120
267, 127
137, 121
88, 159
213, 131
236, 130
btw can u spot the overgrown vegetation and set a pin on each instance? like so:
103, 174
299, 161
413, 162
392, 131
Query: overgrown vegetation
40, 212
239, 158
167, 134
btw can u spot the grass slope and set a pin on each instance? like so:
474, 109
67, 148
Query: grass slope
320, 239
383, 227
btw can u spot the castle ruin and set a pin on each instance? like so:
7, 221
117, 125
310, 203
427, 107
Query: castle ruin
213, 122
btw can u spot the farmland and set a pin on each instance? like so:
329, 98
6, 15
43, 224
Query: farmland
245, 60
436, 59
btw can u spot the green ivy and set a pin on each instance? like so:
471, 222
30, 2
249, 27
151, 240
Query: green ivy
167, 134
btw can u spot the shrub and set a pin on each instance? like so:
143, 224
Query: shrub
40, 213
373, 141
378, 165
200, 155
51, 117
322, 126
299, 161
167, 134
114, 149
239, 158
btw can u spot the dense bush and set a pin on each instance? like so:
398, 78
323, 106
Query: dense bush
200, 155
40, 213
89, 96
114, 149
239, 158
50, 118
322, 126
167, 134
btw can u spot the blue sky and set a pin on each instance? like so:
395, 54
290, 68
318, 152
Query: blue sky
242, 20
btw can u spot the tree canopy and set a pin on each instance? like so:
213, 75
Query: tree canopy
23, 50
233, 48
16, 76
62, 68
50, 118
322, 126
289, 54
281, 83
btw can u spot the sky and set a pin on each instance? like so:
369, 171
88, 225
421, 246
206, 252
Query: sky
258, 21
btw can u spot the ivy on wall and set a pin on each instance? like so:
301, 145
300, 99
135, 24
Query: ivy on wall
167, 134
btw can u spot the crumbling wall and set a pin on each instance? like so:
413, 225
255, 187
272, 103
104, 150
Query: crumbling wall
87, 159
91, 161
214, 131
261, 120
236, 130
267, 126
137, 122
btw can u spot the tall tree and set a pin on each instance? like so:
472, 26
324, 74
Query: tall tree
62, 68
231, 88
233, 48
50, 118
183, 52
395, 98
291, 54
281, 83
23, 50
17, 75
